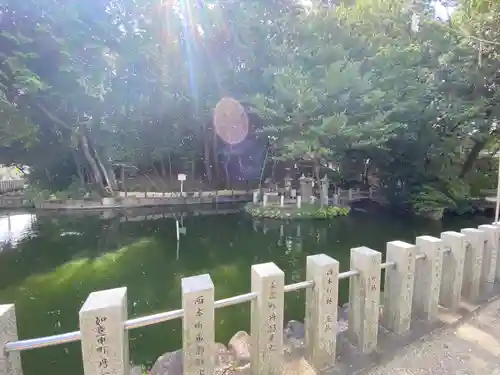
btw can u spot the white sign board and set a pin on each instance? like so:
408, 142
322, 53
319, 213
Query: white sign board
181, 177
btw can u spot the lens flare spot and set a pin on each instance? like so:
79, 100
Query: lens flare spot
230, 121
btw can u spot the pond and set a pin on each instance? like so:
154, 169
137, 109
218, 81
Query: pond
50, 263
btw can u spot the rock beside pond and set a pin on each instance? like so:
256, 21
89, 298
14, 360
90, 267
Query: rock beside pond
235, 358
168, 364
240, 346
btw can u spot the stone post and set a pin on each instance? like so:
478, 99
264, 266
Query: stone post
325, 185
370, 192
282, 201
264, 200
255, 197
306, 187
364, 298
104, 338
490, 255
10, 362
398, 286
288, 187
198, 325
266, 323
335, 199
428, 277
349, 195
474, 242
321, 310
299, 201
453, 269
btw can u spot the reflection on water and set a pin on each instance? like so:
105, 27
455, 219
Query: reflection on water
55, 261
13, 227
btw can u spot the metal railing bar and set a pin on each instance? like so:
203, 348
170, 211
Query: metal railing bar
299, 285
348, 274
235, 300
387, 265
42, 342
148, 320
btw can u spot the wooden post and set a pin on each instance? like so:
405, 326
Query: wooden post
10, 362
453, 269
490, 253
321, 310
473, 263
198, 339
104, 338
398, 286
266, 325
428, 277
364, 298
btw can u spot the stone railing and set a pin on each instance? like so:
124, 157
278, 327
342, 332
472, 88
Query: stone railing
418, 278
11, 185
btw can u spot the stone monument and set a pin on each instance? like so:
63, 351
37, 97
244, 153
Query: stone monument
325, 185
306, 188
288, 187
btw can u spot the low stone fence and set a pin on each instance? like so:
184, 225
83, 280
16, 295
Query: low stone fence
11, 185
149, 199
418, 278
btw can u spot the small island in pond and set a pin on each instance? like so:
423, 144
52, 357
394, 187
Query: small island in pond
292, 212
289, 206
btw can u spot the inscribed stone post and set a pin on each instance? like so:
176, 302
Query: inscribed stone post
490, 254
288, 187
266, 323
428, 277
473, 262
398, 286
299, 201
321, 310
364, 298
265, 199
255, 197
198, 325
10, 362
104, 338
453, 269
325, 185
306, 188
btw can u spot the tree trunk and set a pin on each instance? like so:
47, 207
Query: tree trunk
206, 159
105, 173
162, 167
216, 154
93, 165
472, 157
78, 166
226, 170
170, 174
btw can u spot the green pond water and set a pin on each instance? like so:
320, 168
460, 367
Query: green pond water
50, 264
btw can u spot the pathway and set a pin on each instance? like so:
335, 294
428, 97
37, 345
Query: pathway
465, 343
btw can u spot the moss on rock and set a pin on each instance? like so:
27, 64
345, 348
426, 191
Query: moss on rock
289, 212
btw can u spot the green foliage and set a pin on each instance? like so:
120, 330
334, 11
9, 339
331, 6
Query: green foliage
307, 211
88, 85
